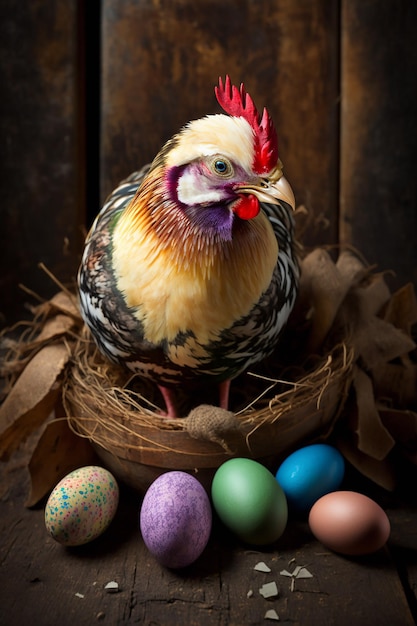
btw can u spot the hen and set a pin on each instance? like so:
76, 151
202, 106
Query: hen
189, 271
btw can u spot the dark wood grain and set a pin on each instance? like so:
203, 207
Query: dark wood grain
161, 61
378, 133
40, 579
40, 174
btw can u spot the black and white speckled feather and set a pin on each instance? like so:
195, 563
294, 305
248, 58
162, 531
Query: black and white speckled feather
189, 272
119, 334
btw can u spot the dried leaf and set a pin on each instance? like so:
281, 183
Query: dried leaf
374, 295
373, 438
66, 303
351, 268
380, 342
401, 310
396, 383
63, 302
403, 427
322, 282
374, 339
32, 397
380, 472
58, 451
55, 327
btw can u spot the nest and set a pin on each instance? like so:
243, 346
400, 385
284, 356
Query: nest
123, 421
345, 369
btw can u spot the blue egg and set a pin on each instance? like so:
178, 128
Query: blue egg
310, 473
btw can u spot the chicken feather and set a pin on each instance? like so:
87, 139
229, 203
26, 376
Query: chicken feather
189, 270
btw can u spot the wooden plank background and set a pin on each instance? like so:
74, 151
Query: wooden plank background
339, 77
161, 61
378, 156
41, 163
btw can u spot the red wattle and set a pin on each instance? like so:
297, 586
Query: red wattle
247, 207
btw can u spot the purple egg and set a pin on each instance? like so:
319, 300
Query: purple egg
175, 519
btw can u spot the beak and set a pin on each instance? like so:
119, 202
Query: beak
271, 191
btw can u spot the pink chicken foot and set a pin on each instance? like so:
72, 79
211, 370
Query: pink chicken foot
170, 400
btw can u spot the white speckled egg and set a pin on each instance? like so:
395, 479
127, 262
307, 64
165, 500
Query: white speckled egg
175, 519
81, 506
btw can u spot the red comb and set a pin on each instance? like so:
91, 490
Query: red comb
237, 102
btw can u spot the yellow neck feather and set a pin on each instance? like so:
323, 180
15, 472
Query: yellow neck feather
178, 284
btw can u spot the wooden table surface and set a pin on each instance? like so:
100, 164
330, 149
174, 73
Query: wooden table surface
42, 583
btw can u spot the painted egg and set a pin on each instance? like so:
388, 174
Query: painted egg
349, 522
249, 501
175, 519
309, 473
81, 506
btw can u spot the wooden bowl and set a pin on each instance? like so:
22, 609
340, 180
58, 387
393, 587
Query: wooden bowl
138, 444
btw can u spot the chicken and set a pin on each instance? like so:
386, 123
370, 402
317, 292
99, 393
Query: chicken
189, 271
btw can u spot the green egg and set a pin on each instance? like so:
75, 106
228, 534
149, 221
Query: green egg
249, 501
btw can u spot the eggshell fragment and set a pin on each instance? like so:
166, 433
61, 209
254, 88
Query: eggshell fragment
349, 523
269, 590
81, 506
175, 519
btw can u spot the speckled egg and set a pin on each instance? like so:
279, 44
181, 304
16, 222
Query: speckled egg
81, 506
175, 519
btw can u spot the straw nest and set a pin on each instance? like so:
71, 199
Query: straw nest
121, 417
344, 369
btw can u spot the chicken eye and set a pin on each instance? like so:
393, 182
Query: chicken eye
222, 166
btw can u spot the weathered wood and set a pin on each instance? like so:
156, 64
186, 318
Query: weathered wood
378, 194
161, 61
40, 174
40, 579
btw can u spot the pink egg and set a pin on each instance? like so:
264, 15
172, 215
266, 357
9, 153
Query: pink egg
175, 519
349, 523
